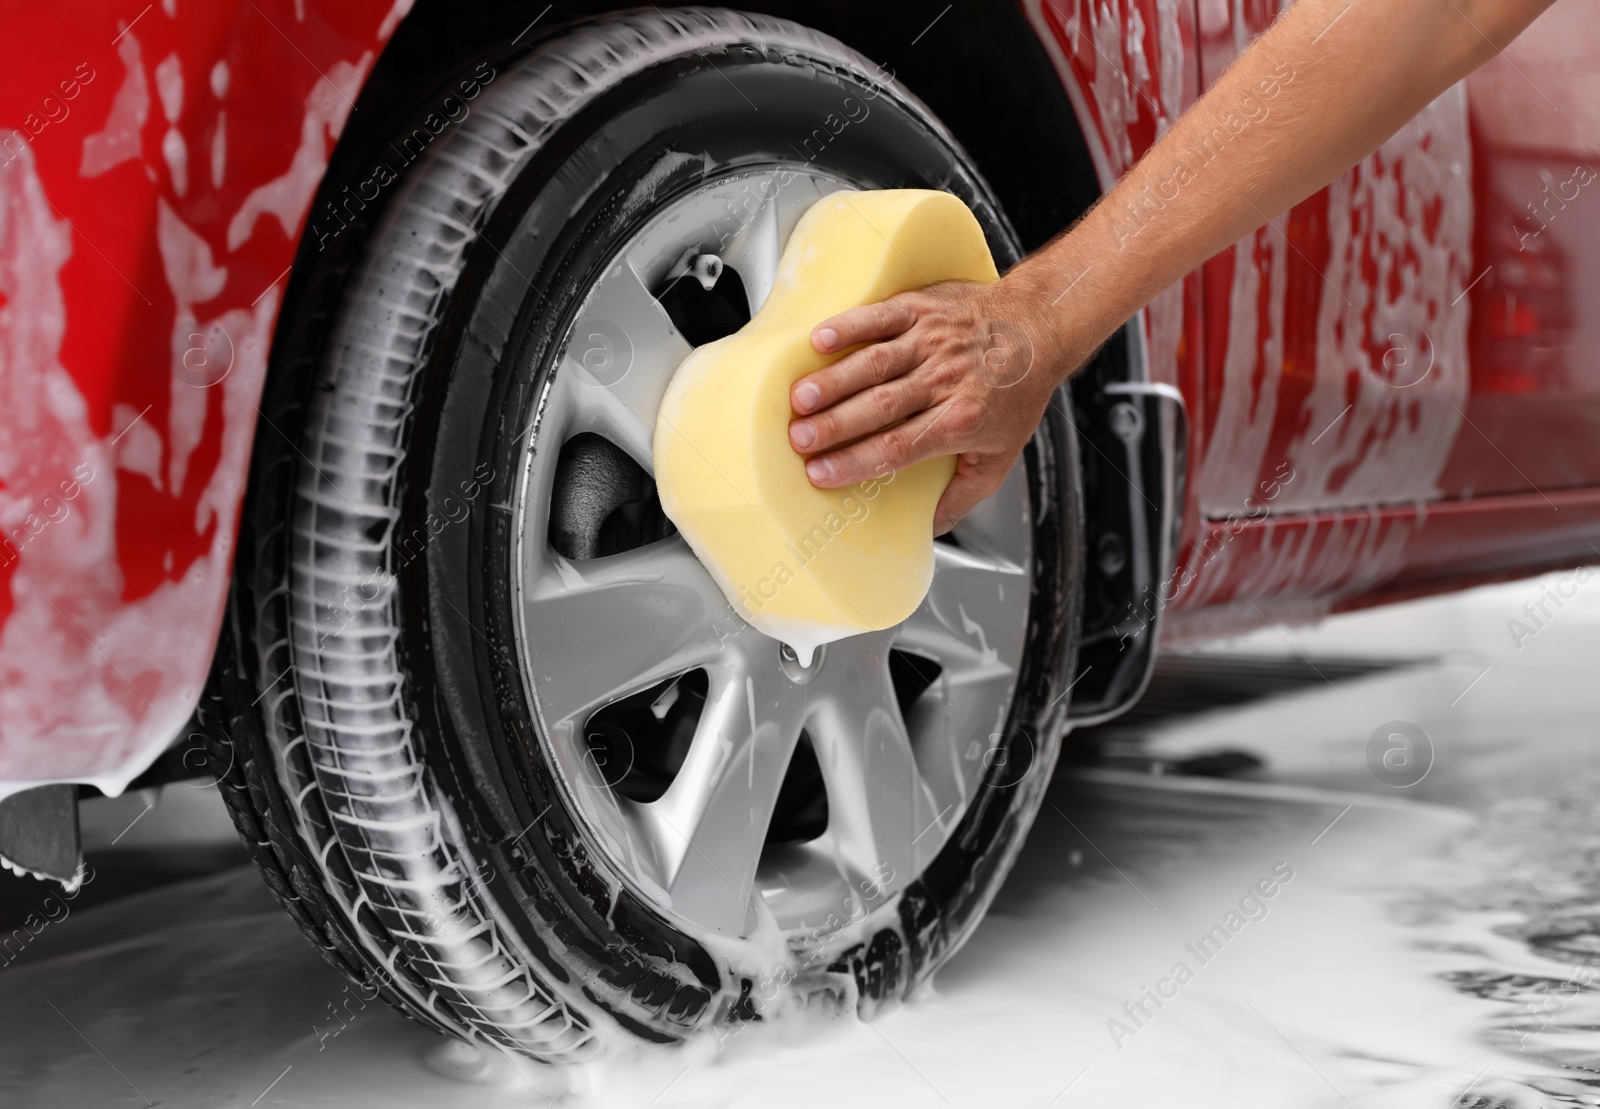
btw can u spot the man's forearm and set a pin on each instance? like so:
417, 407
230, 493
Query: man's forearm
1280, 123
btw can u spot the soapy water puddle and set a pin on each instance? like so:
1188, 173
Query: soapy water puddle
1308, 938
1398, 961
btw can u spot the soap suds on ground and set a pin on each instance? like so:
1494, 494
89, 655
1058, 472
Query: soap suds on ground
1431, 942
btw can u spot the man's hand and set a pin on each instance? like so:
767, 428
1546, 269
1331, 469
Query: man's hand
954, 369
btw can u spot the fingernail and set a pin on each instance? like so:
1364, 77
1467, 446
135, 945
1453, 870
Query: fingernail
827, 338
802, 434
819, 469
807, 396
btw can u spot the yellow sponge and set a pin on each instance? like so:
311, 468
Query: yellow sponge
804, 565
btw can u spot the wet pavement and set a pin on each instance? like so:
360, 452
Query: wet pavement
1307, 930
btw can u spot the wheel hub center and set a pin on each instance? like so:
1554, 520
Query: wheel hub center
789, 663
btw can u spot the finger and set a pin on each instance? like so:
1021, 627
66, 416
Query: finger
860, 415
895, 448
867, 324
858, 370
976, 479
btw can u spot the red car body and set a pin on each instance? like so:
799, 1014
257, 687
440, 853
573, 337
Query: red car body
1387, 389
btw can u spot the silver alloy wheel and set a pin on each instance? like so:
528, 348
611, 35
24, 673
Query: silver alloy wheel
595, 631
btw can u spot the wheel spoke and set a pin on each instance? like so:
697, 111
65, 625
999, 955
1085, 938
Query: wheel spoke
971, 619
601, 629
623, 351
756, 244
878, 802
949, 758
968, 626
709, 827
765, 209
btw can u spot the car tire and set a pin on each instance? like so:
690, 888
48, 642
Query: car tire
395, 656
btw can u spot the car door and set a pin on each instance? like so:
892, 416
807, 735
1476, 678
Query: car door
1391, 347
1337, 333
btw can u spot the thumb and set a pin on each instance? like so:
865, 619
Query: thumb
977, 476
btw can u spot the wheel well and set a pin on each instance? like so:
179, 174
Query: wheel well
980, 67
984, 73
